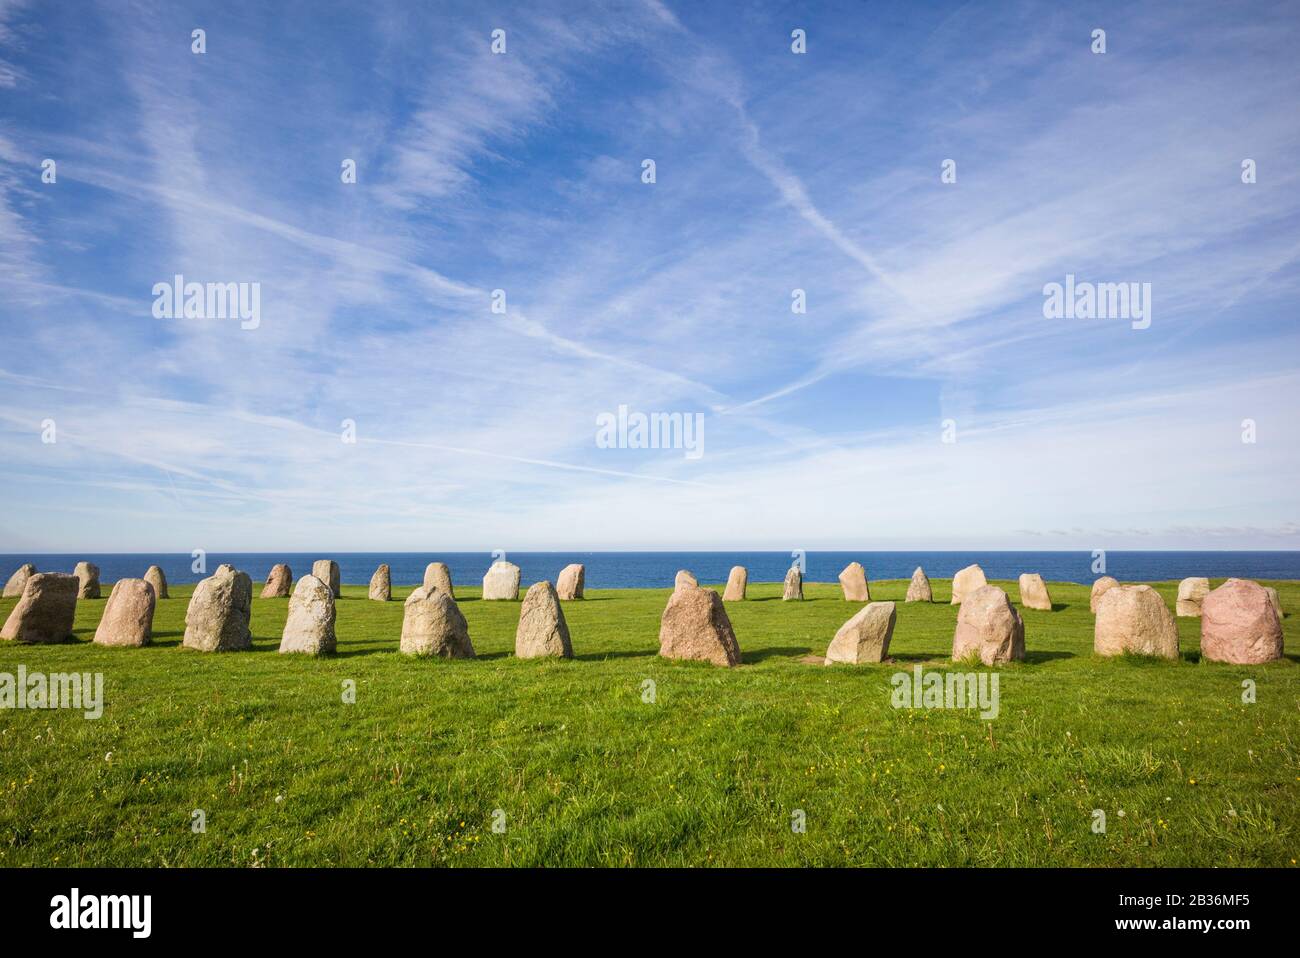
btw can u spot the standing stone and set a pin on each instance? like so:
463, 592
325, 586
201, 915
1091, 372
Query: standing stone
279, 583
18, 581
310, 625
438, 576
158, 580
1239, 625
46, 610
502, 581
542, 630
865, 637
1133, 618
853, 580
1191, 592
128, 614
966, 581
1033, 592
918, 590
432, 624
695, 626
572, 581
1277, 602
224, 568
217, 617
327, 570
737, 583
381, 584
684, 578
988, 625
87, 574
1099, 589
793, 587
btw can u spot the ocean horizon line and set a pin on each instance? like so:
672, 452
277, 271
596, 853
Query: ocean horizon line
605, 569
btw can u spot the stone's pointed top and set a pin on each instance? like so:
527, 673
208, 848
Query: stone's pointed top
572, 582
966, 581
1134, 619
309, 627
279, 583
128, 615
989, 626
684, 578
695, 626
918, 590
542, 631
853, 581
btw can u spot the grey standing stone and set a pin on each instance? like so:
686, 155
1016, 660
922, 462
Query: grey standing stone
695, 626
87, 574
279, 583
432, 624
501, 582
737, 584
572, 582
327, 570
865, 637
1134, 619
438, 576
128, 615
918, 590
218, 614
988, 625
155, 577
1033, 592
46, 611
18, 581
309, 627
853, 581
793, 587
381, 584
542, 630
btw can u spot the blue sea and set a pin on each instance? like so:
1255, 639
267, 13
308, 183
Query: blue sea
615, 570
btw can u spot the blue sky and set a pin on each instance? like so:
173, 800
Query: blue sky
522, 172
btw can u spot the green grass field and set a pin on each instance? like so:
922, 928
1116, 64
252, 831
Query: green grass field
584, 772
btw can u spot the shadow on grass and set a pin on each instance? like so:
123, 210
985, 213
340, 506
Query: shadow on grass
1038, 655
348, 652
601, 656
776, 651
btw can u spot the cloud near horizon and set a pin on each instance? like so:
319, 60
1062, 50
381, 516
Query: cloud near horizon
522, 172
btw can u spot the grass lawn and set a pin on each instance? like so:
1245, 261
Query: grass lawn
584, 772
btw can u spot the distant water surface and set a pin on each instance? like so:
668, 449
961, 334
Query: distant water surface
616, 570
